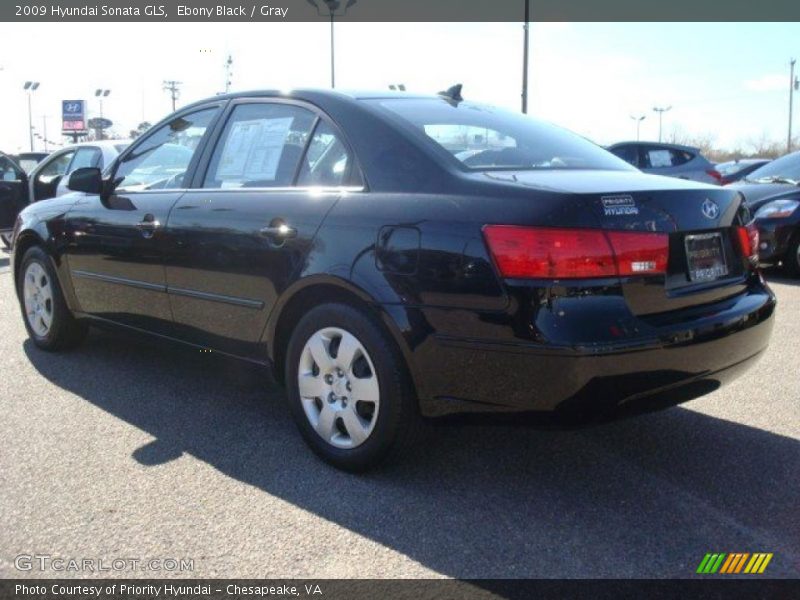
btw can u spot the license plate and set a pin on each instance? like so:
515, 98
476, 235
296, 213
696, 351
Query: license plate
705, 254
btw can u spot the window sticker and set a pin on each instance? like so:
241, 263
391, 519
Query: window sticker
253, 150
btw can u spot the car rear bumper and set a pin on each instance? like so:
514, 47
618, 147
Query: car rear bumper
683, 361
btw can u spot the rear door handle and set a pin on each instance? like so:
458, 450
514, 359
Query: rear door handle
280, 232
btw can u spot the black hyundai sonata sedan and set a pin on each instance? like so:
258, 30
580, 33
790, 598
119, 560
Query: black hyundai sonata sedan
395, 256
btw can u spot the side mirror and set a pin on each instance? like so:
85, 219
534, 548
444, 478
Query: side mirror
86, 179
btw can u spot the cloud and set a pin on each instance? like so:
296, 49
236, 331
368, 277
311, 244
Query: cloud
767, 83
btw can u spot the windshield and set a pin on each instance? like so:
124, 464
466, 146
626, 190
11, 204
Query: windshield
484, 137
787, 167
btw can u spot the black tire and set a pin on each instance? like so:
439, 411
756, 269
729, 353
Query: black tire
65, 331
397, 425
791, 262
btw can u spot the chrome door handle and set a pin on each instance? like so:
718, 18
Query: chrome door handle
148, 225
282, 231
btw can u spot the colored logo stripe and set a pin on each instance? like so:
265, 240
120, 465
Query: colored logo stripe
734, 563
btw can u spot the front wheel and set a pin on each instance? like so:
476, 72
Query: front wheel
348, 388
49, 322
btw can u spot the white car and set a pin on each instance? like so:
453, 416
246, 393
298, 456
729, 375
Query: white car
49, 178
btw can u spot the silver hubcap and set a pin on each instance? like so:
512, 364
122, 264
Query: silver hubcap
338, 387
38, 296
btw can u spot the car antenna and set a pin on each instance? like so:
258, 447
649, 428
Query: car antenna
453, 94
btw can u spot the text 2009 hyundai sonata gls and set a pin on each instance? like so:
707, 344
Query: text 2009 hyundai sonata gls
399, 256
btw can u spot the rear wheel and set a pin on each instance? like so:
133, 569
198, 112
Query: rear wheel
348, 389
791, 262
49, 322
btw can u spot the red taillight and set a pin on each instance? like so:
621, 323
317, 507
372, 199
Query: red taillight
716, 175
748, 241
548, 253
640, 253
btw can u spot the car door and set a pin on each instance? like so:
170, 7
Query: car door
114, 248
235, 242
13, 192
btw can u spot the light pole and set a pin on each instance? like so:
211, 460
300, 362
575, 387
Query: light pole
30, 87
638, 120
793, 85
525, 28
44, 131
100, 94
661, 111
228, 73
333, 11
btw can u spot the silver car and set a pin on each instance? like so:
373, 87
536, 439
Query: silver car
673, 160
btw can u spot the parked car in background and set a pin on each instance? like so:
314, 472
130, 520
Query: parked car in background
671, 160
395, 255
778, 221
13, 195
780, 175
734, 170
49, 178
29, 160
772, 193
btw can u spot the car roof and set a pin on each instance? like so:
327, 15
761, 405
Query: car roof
314, 95
98, 144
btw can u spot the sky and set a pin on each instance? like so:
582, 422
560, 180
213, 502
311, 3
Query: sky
728, 81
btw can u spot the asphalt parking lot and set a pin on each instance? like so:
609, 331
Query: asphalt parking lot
137, 449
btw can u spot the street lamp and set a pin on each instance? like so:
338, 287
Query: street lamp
638, 120
100, 94
30, 87
333, 10
661, 112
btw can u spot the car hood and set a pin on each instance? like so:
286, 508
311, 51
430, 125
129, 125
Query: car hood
51, 206
580, 181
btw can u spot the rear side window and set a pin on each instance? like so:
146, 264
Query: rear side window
327, 162
261, 146
630, 154
85, 157
656, 158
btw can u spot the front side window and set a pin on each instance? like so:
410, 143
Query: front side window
261, 146
160, 160
484, 137
56, 167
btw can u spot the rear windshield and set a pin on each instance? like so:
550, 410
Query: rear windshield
787, 167
483, 137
